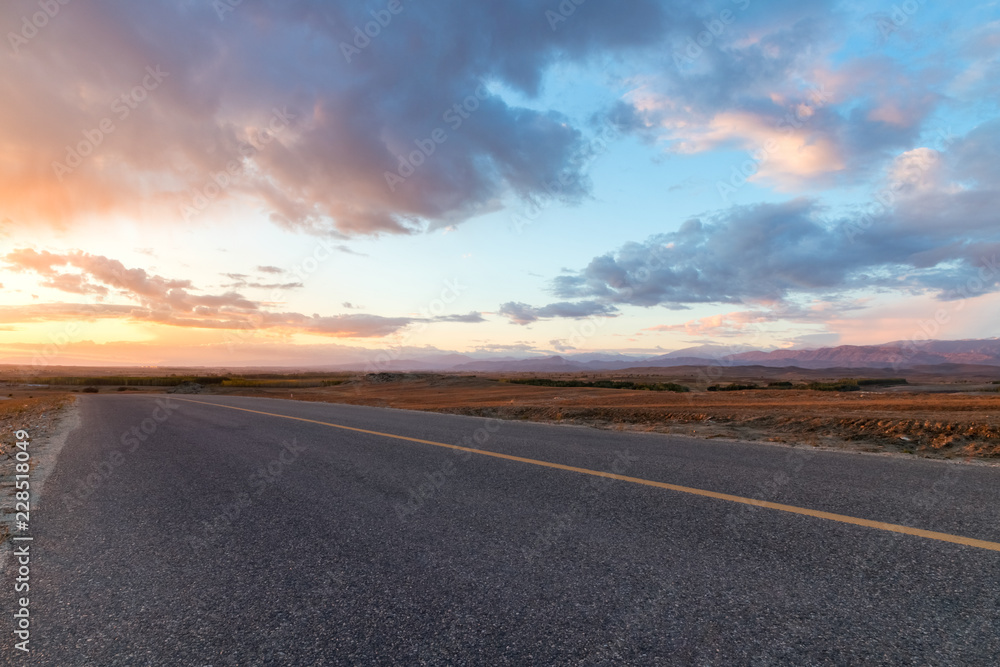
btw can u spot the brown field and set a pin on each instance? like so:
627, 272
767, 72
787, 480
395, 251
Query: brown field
942, 412
920, 421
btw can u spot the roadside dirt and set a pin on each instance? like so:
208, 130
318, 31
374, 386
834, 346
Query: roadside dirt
47, 418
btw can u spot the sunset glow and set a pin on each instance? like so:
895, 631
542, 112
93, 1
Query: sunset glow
229, 184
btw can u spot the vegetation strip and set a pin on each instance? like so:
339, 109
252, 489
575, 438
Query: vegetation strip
845, 384
600, 384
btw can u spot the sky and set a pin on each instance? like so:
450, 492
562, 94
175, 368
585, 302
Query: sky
265, 182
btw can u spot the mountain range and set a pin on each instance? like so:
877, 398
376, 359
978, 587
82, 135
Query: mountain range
896, 355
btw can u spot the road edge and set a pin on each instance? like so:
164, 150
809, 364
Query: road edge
44, 454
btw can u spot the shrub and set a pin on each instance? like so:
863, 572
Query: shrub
112, 380
874, 382
839, 385
735, 386
600, 384
279, 383
669, 386
852, 384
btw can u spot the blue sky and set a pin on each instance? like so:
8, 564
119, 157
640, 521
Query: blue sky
867, 136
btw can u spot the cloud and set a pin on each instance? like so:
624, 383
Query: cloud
58, 311
518, 346
522, 313
953, 193
468, 318
270, 269
742, 322
779, 83
745, 254
724, 324
341, 326
278, 286
306, 127
159, 300
814, 341
241, 280
768, 252
78, 284
932, 228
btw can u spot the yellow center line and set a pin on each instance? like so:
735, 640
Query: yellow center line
792, 509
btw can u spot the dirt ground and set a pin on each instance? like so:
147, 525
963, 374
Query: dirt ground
39, 414
934, 416
34, 411
939, 425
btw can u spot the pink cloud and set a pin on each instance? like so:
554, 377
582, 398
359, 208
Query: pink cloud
160, 300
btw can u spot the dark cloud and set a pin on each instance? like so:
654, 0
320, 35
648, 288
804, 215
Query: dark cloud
468, 318
522, 313
764, 253
240, 280
754, 253
338, 124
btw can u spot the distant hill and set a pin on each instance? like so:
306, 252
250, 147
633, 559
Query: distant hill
936, 356
898, 355
895, 355
546, 364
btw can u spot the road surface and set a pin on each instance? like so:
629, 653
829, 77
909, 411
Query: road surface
182, 531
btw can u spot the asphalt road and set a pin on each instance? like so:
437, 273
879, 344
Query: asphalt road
226, 537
